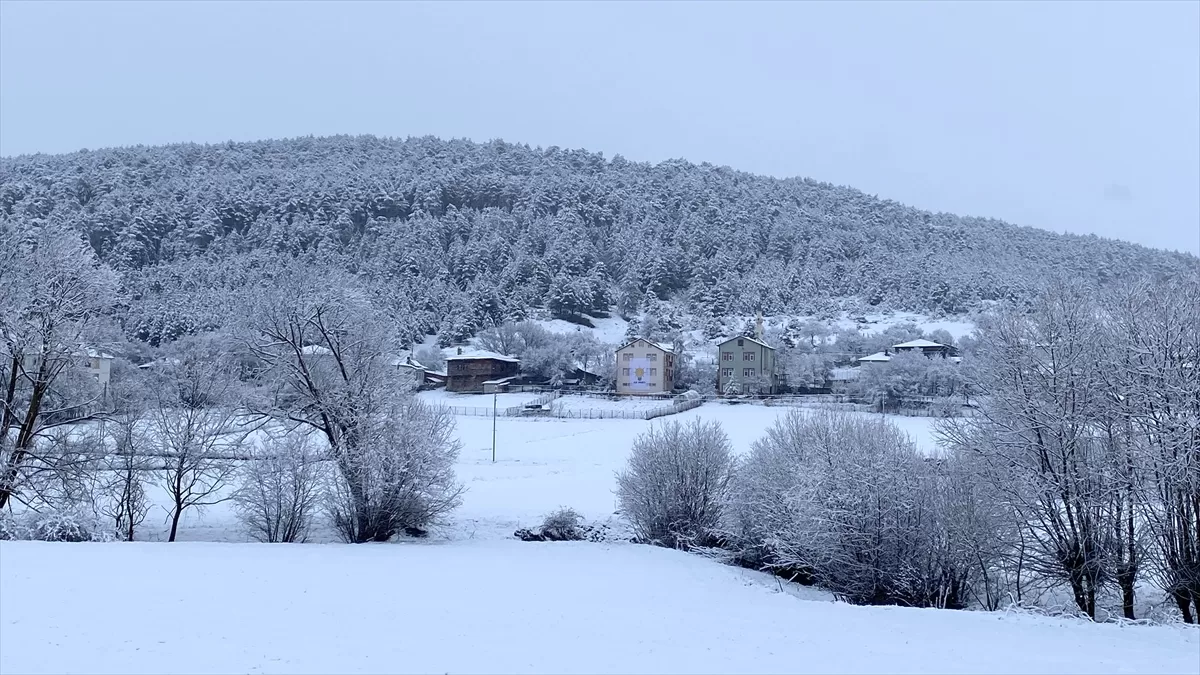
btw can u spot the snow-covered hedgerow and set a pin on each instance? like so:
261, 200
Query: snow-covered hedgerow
67, 525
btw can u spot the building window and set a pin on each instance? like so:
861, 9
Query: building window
652, 357
741, 343
726, 356
728, 372
653, 372
627, 357
747, 372
625, 371
747, 356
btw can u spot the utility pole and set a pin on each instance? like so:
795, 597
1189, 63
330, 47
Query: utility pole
494, 396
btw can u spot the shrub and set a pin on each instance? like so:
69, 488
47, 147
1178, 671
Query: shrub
562, 525
849, 502
399, 475
10, 528
67, 525
676, 480
279, 491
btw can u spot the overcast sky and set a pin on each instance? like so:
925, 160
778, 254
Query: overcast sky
1070, 116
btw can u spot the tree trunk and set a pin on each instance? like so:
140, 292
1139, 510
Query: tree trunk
26, 436
175, 522
1184, 600
1126, 574
10, 395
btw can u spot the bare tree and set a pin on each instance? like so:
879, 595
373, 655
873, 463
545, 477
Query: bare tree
280, 489
1154, 379
325, 349
502, 339
195, 422
55, 290
674, 485
1039, 433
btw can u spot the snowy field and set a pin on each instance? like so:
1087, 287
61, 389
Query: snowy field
541, 464
603, 403
474, 401
500, 607
472, 599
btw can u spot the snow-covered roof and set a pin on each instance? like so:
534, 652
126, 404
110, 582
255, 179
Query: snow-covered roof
315, 350
670, 349
404, 362
921, 342
169, 361
503, 380
844, 374
877, 357
94, 354
478, 355
749, 339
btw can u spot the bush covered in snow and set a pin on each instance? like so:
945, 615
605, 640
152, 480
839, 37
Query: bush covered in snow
400, 477
566, 524
65, 525
280, 490
562, 524
676, 480
851, 503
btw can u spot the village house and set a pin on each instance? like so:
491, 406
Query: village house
481, 372
97, 363
746, 365
645, 367
411, 367
927, 347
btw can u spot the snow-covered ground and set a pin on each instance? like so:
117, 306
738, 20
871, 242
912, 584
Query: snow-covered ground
609, 331
605, 403
541, 464
500, 607
475, 401
472, 599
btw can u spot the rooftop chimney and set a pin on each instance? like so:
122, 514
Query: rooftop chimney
758, 327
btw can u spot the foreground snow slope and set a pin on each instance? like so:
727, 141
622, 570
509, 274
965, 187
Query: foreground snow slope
499, 606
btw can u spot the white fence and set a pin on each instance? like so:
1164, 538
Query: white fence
671, 405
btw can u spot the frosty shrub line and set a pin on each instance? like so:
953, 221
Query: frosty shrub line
1081, 470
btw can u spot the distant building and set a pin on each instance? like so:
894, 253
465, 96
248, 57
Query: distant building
645, 367
927, 347
480, 372
746, 365
412, 368
922, 346
98, 364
